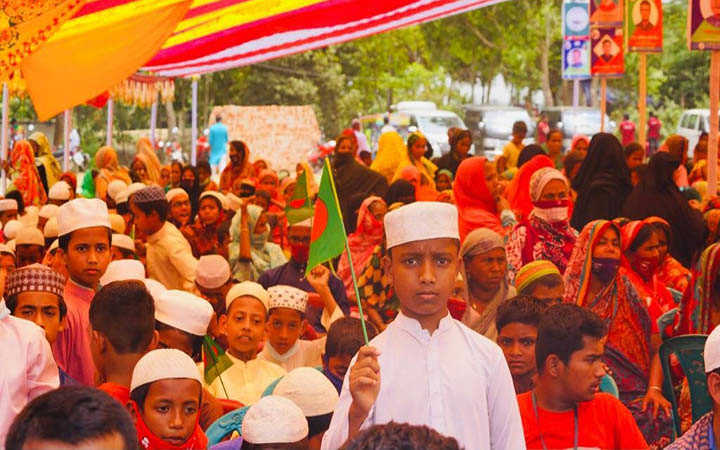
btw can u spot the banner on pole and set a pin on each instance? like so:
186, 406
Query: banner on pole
703, 25
576, 59
607, 52
606, 13
576, 19
644, 25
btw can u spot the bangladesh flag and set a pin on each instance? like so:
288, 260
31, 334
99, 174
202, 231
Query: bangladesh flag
299, 207
215, 361
327, 240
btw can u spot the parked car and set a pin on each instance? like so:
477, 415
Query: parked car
491, 127
432, 122
574, 120
692, 123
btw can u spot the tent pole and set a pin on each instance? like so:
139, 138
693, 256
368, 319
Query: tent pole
5, 133
713, 137
66, 140
153, 121
194, 136
110, 112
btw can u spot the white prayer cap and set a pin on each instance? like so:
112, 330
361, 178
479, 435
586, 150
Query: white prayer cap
60, 191
249, 288
29, 236
11, 228
420, 221
310, 389
123, 241
48, 211
163, 364
712, 350
54, 246
175, 192
274, 420
8, 204
82, 213
117, 223
155, 288
233, 201
220, 197
6, 249
212, 271
33, 209
124, 195
30, 218
50, 230
184, 311
282, 296
123, 269
115, 187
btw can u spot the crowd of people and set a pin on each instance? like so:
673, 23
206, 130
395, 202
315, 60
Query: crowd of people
508, 304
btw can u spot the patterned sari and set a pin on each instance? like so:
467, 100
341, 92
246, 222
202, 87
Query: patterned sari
628, 347
700, 308
26, 178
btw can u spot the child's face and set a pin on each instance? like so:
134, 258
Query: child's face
145, 223
338, 365
88, 255
443, 183
43, 308
284, 327
116, 253
7, 262
517, 341
28, 254
208, 211
171, 409
244, 326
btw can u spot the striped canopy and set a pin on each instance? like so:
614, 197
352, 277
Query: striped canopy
222, 34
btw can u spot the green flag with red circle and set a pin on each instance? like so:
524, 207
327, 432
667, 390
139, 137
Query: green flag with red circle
299, 208
327, 240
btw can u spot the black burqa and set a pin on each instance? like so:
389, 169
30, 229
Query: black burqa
658, 195
603, 182
352, 178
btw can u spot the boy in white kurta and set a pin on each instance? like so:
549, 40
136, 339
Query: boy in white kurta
427, 368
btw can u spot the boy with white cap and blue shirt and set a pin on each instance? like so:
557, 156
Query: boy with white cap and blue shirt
427, 368
84, 241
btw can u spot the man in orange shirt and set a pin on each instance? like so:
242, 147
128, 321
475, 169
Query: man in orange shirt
564, 409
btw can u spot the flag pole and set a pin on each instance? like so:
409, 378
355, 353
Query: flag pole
347, 249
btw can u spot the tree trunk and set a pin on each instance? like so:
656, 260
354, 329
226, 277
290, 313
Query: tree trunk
545, 62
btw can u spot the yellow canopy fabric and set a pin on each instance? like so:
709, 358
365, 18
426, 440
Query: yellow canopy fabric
96, 52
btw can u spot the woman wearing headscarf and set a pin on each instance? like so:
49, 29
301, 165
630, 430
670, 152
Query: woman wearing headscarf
391, 149
415, 157
485, 284
478, 199
677, 146
106, 162
190, 183
368, 234
593, 281
670, 272
208, 235
144, 171
144, 147
352, 177
518, 192
250, 252
579, 143
238, 167
24, 175
546, 233
603, 182
45, 157
700, 307
423, 192
657, 195
460, 143
640, 263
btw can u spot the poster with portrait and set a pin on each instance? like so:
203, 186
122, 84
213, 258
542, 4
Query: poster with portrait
606, 13
576, 19
576, 59
704, 25
606, 46
644, 24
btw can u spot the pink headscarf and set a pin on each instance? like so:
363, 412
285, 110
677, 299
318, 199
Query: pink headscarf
577, 138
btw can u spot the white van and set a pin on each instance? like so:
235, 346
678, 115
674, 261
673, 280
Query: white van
432, 122
692, 123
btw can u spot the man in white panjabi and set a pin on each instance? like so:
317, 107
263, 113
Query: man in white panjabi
427, 368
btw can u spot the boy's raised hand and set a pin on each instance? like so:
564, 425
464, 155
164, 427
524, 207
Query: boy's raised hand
364, 384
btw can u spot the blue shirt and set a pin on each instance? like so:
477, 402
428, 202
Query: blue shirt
293, 274
218, 139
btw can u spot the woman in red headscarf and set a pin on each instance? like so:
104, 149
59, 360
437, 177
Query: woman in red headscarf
423, 191
478, 199
25, 176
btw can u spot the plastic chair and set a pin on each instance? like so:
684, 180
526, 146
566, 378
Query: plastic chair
225, 425
689, 351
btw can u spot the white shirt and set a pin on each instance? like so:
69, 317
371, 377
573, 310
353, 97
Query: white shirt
27, 368
454, 381
244, 381
170, 259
